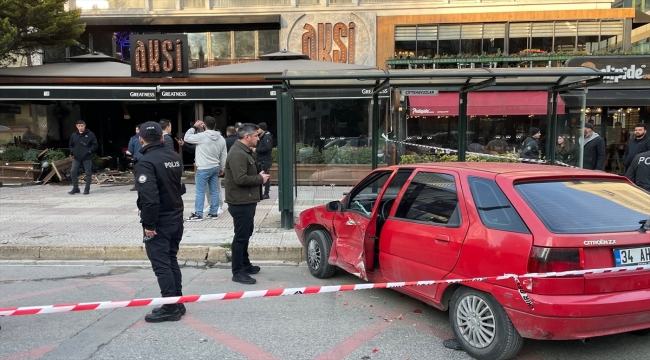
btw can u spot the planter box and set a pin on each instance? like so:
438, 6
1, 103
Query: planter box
23, 170
327, 174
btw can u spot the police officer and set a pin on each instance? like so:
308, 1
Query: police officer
158, 173
639, 171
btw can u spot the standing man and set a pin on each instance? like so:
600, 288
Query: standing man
83, 144
530, 146
231, 137
243, 192
210, 156
640, 143
639, 171
166, 125
594, 150
263, 149
158, 173
134, 148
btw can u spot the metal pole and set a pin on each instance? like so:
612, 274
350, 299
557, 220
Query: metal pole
550, 149
285, 155
462, 125
374, 130
581, 140
554, 126
180, 130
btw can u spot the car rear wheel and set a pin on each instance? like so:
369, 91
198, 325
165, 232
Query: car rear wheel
319, 245
481, 326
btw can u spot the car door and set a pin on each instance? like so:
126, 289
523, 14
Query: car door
425, 230
356, 221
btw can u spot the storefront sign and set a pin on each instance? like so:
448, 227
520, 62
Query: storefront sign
159, 55
100, 93
636, 69
260, 92
333, 37
420, 93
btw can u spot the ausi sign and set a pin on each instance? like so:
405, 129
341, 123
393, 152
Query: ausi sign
159, 55
318, 45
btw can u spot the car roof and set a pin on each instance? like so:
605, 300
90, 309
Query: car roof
514, 170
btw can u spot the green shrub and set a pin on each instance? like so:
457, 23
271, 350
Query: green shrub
13, 153
32, 155
361, 155
274, 155
419, 159
97, 161
54, 155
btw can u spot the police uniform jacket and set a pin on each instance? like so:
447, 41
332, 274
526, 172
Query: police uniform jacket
158, 173
639, 171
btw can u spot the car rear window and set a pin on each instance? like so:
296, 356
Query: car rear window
587, 206
493, 206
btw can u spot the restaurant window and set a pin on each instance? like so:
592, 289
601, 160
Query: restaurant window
109, 4
268, 41
427, 40
611, 35
494, 38
542, 36
244, 44
471, 39
449, 39
518, 37
430, 198
163, 4
198, 47
588, 32
565, 36
405, 41
221, 45
193, 4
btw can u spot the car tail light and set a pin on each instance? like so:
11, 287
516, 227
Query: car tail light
543, 260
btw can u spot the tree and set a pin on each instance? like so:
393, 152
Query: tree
27, 26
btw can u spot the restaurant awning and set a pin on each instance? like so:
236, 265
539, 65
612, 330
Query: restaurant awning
484, 103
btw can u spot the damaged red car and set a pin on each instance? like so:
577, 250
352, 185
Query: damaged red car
467, 220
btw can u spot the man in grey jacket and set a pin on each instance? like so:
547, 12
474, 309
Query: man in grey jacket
210, 157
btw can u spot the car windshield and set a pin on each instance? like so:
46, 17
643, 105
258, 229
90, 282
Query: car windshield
587, 206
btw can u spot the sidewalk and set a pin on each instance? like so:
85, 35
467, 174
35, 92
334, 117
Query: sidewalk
45, 223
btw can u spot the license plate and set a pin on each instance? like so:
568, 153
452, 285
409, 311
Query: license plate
634, 256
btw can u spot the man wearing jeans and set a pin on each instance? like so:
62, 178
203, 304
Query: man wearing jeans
210, 155
243, 192
83, 144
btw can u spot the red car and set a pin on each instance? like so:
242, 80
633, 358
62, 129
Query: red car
466, 220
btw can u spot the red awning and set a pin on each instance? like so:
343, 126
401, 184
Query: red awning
484, 103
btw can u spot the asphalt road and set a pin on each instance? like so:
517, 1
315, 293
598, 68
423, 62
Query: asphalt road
360, 325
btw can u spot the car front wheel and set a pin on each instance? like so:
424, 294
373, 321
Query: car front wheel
481, 326
319, 245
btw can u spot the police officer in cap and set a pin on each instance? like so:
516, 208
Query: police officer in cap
158, 173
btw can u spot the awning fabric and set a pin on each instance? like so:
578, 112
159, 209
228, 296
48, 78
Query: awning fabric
484, 103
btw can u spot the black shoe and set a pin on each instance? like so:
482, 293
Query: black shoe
265, 196
252, 269
86, 192
211, 217
194, 217
166, 313
243, 278
74, 191
133, 189
181, 309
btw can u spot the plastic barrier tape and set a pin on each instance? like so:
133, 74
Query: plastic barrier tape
50, 309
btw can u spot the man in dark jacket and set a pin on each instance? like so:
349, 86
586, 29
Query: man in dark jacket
166, 125
638, 144
158, 173
83, 144
639, 171
231, 137
264, 159
594, 150
243, 192
134, 148
530, 146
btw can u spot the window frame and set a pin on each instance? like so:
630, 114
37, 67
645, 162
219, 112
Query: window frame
374, 176
470, 183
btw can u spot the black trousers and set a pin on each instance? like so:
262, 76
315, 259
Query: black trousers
265, 165
243, 217
74, 172
162, 250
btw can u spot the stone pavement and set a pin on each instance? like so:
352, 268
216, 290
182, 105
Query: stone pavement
48, 216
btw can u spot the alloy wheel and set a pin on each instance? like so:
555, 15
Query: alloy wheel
314, 255
475, 321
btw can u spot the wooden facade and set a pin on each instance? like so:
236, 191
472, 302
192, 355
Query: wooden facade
386, 24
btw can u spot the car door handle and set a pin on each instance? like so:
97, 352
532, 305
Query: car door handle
441, 237
350, 221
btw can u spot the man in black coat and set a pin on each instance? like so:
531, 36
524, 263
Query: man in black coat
530, 146
638, 144
594, 150
231, 136
83, 144
158, 173
639, 171
264, 149
166, 125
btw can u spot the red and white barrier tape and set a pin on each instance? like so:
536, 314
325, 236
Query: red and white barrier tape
50, 309
449, 151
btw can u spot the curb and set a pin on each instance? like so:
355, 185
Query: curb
198, 254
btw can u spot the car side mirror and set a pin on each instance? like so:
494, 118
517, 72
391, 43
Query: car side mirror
333, 206
345, 193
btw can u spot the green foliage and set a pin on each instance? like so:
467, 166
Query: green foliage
362, 155
274, 155
13, 153
54, 155
420, 159
28, 26
97, 161
32, 155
